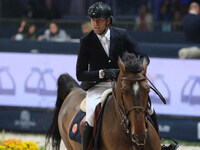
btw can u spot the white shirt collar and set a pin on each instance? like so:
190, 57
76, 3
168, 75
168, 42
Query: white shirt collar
107, 35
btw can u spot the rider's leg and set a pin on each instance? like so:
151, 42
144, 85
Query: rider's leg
86, 137
93, 97
91, 102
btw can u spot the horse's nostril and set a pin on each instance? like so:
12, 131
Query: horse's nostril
139, 140
135, 138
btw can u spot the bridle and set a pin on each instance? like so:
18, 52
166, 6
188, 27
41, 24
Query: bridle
123, 112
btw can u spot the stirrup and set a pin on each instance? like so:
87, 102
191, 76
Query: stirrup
172, 146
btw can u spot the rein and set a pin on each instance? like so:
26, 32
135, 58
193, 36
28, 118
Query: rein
122, 114
156, 91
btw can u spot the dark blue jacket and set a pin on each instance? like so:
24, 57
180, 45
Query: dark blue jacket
191, 27
92, 56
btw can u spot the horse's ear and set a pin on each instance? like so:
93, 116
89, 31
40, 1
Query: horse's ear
145, 63
121, 64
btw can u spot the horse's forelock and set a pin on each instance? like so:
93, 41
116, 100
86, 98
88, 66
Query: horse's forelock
132, 63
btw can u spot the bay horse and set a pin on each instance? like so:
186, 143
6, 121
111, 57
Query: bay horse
124, 122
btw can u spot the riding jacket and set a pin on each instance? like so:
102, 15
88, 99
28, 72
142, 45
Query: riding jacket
92, 56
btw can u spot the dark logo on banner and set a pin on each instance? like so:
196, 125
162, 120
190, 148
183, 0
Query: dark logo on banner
25, 120
164, 128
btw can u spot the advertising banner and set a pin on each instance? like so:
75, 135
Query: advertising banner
179, 82
30, 80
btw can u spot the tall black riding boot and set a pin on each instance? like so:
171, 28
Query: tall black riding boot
155, 121
86, 137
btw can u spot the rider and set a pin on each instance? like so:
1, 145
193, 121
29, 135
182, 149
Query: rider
97, 60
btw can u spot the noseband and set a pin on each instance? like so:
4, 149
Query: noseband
123, 113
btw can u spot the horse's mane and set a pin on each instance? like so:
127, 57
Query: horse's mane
132, 63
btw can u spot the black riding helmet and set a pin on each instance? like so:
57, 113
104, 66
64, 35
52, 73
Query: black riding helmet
100, 10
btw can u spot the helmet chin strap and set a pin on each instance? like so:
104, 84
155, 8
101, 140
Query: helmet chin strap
104, 29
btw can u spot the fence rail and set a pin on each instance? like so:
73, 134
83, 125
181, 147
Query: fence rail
76, 24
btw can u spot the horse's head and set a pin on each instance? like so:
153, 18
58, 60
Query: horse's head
132, 96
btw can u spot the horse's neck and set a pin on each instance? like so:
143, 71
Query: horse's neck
112, 115
112, 130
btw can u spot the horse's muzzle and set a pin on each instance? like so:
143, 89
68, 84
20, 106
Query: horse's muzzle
139, 140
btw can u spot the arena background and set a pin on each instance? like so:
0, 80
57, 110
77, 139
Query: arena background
29, 69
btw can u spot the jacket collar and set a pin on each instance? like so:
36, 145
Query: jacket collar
100, 47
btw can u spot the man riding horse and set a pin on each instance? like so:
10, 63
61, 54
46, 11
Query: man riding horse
97, 63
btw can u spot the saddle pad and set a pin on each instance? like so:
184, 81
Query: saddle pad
74, 132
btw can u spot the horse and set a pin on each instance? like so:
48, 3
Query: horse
124, 121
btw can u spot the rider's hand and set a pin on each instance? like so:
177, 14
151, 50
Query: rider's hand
111, 73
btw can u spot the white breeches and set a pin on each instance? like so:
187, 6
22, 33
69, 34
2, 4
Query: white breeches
93, 98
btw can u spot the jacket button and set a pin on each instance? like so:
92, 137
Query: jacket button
109, 61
